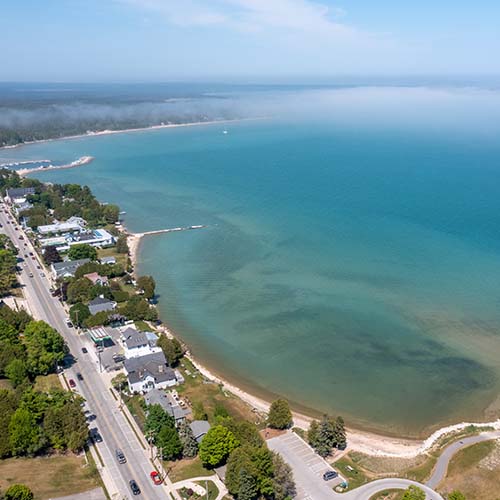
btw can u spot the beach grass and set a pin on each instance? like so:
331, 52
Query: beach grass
390, 494
211, 396
49, 477
355, 477
475, 471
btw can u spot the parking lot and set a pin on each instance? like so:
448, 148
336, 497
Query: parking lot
308, 467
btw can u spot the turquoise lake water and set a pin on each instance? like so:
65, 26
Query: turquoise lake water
352, 256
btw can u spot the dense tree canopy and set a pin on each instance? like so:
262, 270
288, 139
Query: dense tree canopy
78, 313
172, 349
413, 493
82, 251
327, 434
280, 416
216, 446
51, 255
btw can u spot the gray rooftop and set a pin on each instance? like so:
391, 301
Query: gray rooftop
100, 304
159, 397
20, 192
153, 364
199, 428
68, 267
133, 338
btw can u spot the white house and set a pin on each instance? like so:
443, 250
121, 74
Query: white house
95, 238
136, 344
149, 372
73, 224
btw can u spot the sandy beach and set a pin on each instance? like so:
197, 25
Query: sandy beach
358, 440
99, 133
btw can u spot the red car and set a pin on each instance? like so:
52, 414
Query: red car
155, 476
72, 383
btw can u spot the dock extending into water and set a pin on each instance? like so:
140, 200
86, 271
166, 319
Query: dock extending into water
170, 230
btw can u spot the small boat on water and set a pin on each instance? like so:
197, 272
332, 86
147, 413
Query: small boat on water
224, 131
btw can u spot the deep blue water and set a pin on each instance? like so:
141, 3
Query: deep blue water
352, 258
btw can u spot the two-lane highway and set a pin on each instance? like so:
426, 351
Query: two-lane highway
110, 421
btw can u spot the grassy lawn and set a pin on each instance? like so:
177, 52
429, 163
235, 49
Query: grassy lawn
44, 383
48, 477
142, 326
421, 472
213, 491
134, 404
199, 390
354, 477
391, 494
121, 258
475, 471
185, 469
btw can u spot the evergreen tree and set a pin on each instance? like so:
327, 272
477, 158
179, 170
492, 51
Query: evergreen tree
283, 482
280, 416
189, 444
312, 433
248, 487
168, 443
340, 435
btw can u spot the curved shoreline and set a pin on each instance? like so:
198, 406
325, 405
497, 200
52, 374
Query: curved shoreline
366, 442
99, 133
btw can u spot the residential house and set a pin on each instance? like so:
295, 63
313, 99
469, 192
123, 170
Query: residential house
199, 428
97, 279
167, 402
148, 372
17, 196
66, 268
100, 304
136, 344
108, 260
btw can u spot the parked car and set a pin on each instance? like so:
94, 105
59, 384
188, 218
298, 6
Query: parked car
120, 456
134, 487
68, 323
95, 436
84, 350
329, 474
91, 417
155, 476
72, 383
79, 376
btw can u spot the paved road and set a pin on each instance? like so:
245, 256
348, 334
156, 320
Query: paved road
308, 474
110, 421
443, 461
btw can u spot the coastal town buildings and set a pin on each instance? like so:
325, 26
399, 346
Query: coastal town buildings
167, 402
67, 268
16, 196
100, 304
148, 372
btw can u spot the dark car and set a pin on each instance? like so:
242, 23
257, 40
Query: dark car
79, 376
84, 350
95, 436
91, 417
72, 383
120, 456
330, 474
134, 487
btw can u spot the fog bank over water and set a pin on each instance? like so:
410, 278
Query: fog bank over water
352, 256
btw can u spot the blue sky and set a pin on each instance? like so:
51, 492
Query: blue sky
245, 40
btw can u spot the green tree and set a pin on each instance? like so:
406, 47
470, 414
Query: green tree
25, 436
156, 419
45, 348
413, 493
283, 483
51, 255
339, 433
7, 271
82, 251
189, 444
121, 244
325, 438
99, 319
111, 213
172, 349
138, 308
248, 487
16, 371
9, 352
8, 405
120, 382
216, 446
168, 442
147, 285
18, 492
78, 290
78, 313
280, 416
312, 433
456, 495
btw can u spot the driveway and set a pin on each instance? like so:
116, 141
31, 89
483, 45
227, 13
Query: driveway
308, 469
443, 461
